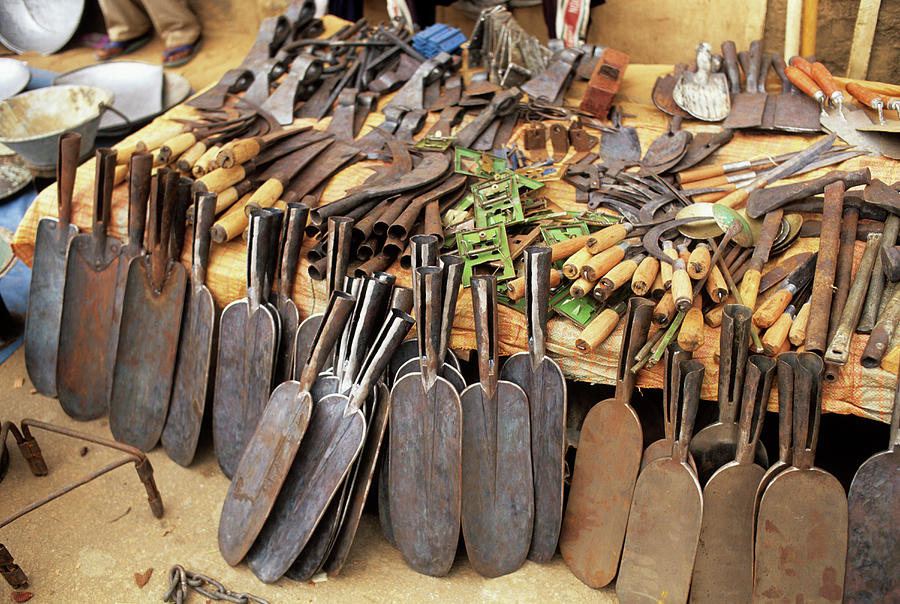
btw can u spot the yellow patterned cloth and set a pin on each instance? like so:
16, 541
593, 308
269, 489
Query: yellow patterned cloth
864, 392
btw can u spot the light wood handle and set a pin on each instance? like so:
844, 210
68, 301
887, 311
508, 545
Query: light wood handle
776, 335
681, 287
862, 94
154, 138
219, 180
824, 78
564, 249
606, 238
716, 288
690, 336
176, 145
189, 158
572, 266
601, 264
665, 268
713, 316
797, 335
771, 309
226, 199
657, 289
713, 197
715, 181
802, 81
120, 174
515, 289
750, 287
890, 362
664, 310
124, 151
644, 275
618, 275
701, 173
265, 196
597, 330
580, 287
232, 223
206, 162
698, 262
238, 152
734, 199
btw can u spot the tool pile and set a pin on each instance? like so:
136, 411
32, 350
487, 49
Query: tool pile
300, 405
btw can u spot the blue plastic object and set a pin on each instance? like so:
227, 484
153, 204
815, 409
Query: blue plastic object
438, 38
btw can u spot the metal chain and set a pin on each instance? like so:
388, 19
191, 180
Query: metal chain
181, 580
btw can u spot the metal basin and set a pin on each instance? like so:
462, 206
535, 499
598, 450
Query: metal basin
31, 122
43, 26
14, 77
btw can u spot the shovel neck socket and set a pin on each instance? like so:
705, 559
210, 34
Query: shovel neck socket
484, 305
895, 420
103, 187
734, 348
139, 189
807, 409
205, 214
674, 355
537, 298
637, 323
340, 305
340, 232
389, 338
427, 301
691, 379
788, 365
453, 272
293, 231
758, 382
68, 151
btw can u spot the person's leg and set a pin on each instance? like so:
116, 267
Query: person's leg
125, 20
174, 20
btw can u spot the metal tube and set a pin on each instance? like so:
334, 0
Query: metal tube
876, 285
826, 265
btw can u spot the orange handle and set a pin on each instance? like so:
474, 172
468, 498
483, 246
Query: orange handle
664, 310
824, 78
776, 335
772, 308
713, 197
597, 330
797, 335
802, 81
714, 181
802, 64
644, 275
716, 287
564, 249
698, 262
864, 95
702, 173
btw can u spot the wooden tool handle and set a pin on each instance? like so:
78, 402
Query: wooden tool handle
698, 262
665, 268
664, 310
606, 238
226, 199
824, 79
618, 275
750, 287
515, 289
771, 309
734, 199
864, 95
565, 249
176, 145
715, 196
572, 267
716, 288
266, 195
232, 223
690, 336
701, 173
644, 275
238, 152
206, 163
797, 334
681, 286
802, 81
597, 330
602, 263
714, 181
580, 287
776, 335
189, 158
802, 64
219, 180
124, 151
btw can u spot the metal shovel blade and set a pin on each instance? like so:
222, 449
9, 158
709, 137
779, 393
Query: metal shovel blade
497, 483
545, 388
606, 467
45, 299
83, 372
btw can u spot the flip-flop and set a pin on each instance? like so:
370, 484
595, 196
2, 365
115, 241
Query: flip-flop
191, 50
122, 47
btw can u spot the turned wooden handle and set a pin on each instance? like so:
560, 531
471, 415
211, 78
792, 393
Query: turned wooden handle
771, 309
572, 266
665, 268
120, 174
734, 199
681, 286
206, 163
238, 152
580, 287
597, 330
715, 181
701, 173
219, 180
564, 249
232, 223
698, 262
797, 335
187, 160
803, 65
176, 145
690, 336
715, 286
226, 199
664, 310
606, 238
602, 263
750, 287
862, 94
776, 335
644, 275
124, 151
824, 78
802, 81
265, 196
713, 197
515, 289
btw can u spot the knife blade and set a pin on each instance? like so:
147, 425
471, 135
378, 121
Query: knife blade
771, 309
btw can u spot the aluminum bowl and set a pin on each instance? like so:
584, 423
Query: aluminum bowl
44, 26
31, 122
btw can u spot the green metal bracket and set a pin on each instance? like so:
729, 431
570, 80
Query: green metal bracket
482, 246
434, 143
580, 310
561, 232
477, 163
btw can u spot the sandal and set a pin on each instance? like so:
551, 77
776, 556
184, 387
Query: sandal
111, 49
178, 56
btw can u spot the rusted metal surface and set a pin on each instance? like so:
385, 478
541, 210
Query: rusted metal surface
703, 94
826, 267
502, 103
606, 467
716, 444
878, 193
877, 346
723, 569
148, 333
662, 448
770, 198
605, 82
194, 368
663, 531
555, 79
544, 385
746, 107
246, 356
260, 474
45, 301
667, 150
662, 92
801, 534
497, 484
794, 111
425, 460
291, 241
84, 366
702, 145
874, 524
